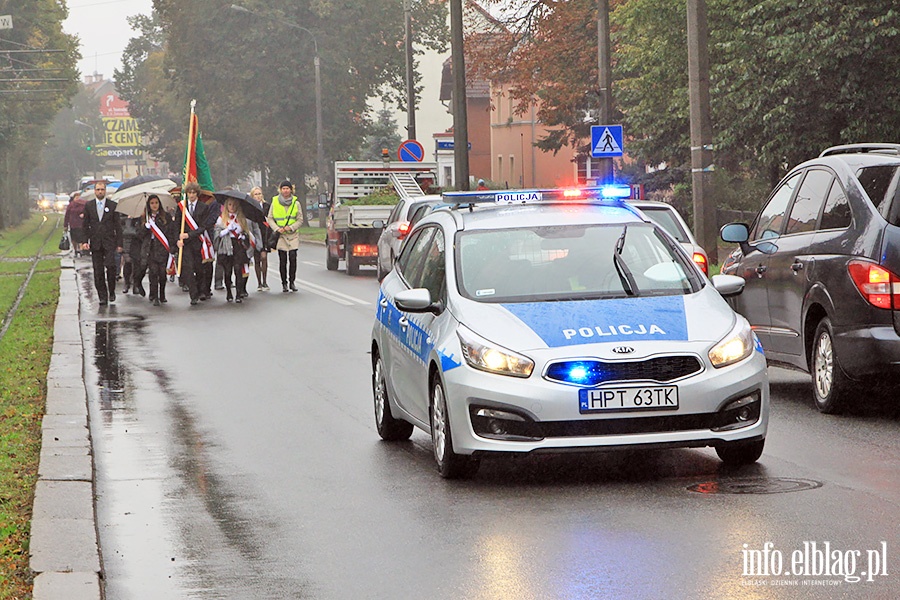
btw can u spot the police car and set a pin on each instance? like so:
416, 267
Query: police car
552, 320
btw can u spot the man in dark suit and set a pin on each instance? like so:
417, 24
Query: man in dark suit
103, 231
190, 239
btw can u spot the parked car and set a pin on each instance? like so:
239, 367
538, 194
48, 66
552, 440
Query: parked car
821, 263
396, 229
670, 220
526, 321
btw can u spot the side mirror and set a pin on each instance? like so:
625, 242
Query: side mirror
378, 224
728, 285
737, 233
417, 300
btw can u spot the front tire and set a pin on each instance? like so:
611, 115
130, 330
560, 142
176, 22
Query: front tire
380, 274
389, 428
740, 453
831, 387
450, 464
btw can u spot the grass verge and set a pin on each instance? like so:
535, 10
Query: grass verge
24, 359
314, 234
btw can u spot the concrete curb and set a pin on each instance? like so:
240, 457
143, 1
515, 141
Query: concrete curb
64, 551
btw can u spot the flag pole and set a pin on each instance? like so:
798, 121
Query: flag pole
184, 180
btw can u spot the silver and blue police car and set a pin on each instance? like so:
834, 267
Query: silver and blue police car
552, 320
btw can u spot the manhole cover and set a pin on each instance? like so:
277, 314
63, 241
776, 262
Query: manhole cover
767, 485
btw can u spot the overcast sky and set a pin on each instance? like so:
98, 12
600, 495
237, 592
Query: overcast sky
103, 30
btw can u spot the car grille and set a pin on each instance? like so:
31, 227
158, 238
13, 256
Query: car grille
595, 427
595, 372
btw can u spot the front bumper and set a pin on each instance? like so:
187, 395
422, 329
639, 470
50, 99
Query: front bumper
551, 421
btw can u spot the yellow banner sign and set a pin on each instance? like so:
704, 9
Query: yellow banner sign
121, 132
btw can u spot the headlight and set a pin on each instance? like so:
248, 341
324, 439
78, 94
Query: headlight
734, 347
485, 356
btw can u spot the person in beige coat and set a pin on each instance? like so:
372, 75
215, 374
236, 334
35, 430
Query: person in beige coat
285, 219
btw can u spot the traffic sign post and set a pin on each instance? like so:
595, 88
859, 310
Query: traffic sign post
606, 141
411, 151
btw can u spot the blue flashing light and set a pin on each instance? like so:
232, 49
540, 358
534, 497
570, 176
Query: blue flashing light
615, 191
578, 373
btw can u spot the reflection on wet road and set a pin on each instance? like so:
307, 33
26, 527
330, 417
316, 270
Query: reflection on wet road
236, 457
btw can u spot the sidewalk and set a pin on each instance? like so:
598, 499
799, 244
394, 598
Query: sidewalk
64, 549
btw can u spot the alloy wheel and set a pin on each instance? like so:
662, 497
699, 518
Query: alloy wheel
439, 423
379, 385
824, 365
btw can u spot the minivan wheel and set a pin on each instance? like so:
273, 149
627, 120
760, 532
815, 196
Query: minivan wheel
830, 386
389, 428
740, 453
450, 464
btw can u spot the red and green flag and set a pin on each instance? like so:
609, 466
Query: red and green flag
196, 167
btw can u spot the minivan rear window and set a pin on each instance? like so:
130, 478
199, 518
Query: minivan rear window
877, 182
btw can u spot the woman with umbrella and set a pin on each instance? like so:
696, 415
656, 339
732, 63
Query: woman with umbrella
235, 238
156, 234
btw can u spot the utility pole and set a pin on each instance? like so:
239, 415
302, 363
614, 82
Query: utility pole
410, 80
460, 120
604, 72
705, 225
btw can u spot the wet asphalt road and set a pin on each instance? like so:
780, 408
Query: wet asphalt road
236, 457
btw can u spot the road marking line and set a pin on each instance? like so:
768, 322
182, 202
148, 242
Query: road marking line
325, 292
313, 264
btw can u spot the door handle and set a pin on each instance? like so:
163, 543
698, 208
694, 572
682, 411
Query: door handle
761, 269
796, 266
403, 322
383, 303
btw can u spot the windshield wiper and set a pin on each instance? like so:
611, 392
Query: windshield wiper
625, 274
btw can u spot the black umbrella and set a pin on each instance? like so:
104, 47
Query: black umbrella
141, 179
253, 210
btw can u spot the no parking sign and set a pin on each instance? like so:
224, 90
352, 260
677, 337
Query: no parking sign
411, 151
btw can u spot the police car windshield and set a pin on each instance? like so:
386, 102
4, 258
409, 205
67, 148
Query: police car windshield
567, 263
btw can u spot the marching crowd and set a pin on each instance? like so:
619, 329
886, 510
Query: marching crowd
202, 241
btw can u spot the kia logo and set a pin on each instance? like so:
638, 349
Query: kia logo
623, 349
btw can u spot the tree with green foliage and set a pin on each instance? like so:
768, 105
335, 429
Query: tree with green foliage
383, 134
65, 157
253, 74
27, 107
793, 77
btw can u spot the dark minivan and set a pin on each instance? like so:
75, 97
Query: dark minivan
821, 263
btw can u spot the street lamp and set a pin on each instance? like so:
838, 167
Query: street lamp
93, 144
320, 149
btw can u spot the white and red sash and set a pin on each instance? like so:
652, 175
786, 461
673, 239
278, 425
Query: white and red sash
161, 238
158, 234
207, 252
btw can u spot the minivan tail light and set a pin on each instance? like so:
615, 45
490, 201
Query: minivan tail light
878, 286
402, 229
701, 262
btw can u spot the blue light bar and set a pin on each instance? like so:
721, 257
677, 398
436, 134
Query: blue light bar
608, 192
615, 191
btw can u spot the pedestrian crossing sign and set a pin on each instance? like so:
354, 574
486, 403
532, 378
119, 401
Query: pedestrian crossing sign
606, 141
